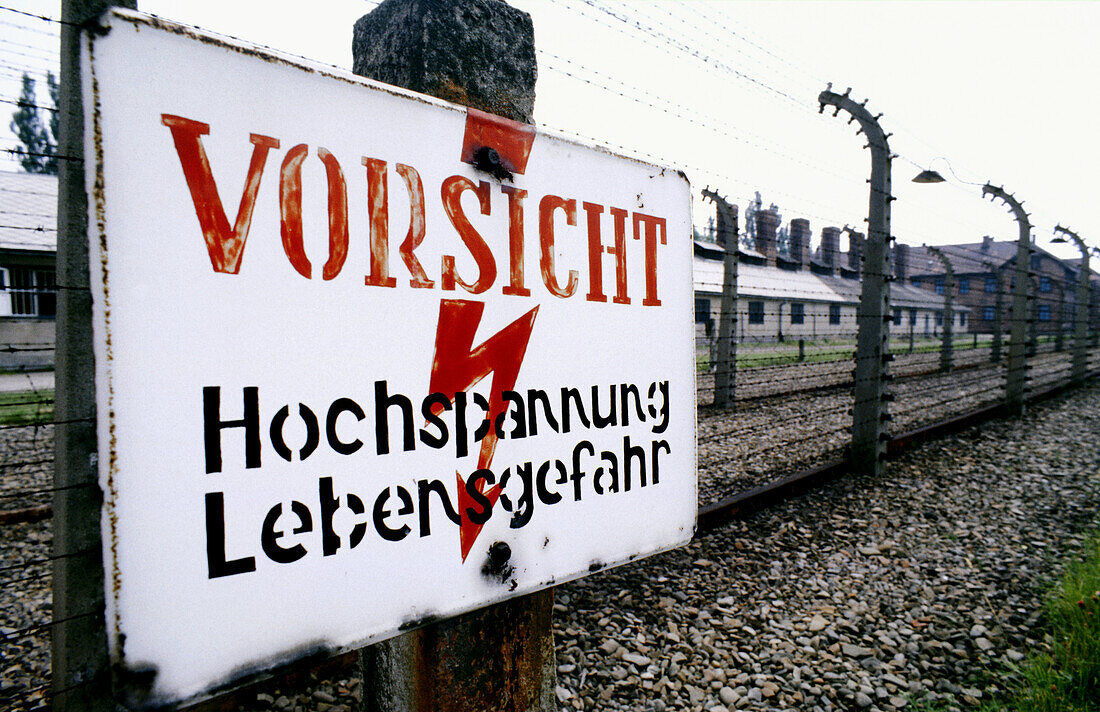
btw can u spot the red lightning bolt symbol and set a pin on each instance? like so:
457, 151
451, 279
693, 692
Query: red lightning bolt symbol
457, 366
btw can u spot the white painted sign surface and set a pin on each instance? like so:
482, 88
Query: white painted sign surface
308, 444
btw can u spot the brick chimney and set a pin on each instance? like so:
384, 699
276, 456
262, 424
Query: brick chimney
800, 241
855, 250
901, 261
767, 222
830, 247
987, 244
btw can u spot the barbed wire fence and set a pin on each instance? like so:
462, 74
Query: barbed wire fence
788, 404
28, 209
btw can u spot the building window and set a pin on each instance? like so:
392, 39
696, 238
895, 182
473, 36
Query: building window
912, 317
1035, 261
30, 292
702, 311
962, 318
915, 281
991, 285
939, 318
897, 317
964, 285
989, 314
798, 313
834, 313
756, 312
939, 285
1044, 284
1044, 312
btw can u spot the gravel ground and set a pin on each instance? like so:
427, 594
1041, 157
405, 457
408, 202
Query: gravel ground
26, 461
26, 465
926, 582
741, 447
867, 594
25, 602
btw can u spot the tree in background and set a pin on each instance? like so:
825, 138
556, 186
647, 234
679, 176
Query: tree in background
38, 153
55, 122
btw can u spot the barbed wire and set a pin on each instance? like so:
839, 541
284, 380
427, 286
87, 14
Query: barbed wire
44, 18
30, 28
816, 430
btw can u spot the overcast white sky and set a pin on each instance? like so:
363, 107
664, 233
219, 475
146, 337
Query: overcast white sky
728, 92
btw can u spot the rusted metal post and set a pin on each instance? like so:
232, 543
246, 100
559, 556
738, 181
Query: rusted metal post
81, 679
479, 53
725, 374
1081, 310
869, 414
498, 658
947, 345
1016, 382
801, 350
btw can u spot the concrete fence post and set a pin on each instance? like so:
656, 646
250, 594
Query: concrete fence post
998, 317
1033, 317
725, 372
947, 345
868, 448
1016, 382
81, 674
479, 53
1081, 309
1060, 328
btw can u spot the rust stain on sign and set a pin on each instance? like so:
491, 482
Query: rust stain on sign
512, 140
100, 202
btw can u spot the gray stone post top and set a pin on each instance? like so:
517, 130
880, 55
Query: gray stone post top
478, 53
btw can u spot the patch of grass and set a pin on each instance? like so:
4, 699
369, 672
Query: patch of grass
928, 345
751, 355
26, 407
1065, 678
777, 358
1068, 676
925, 705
